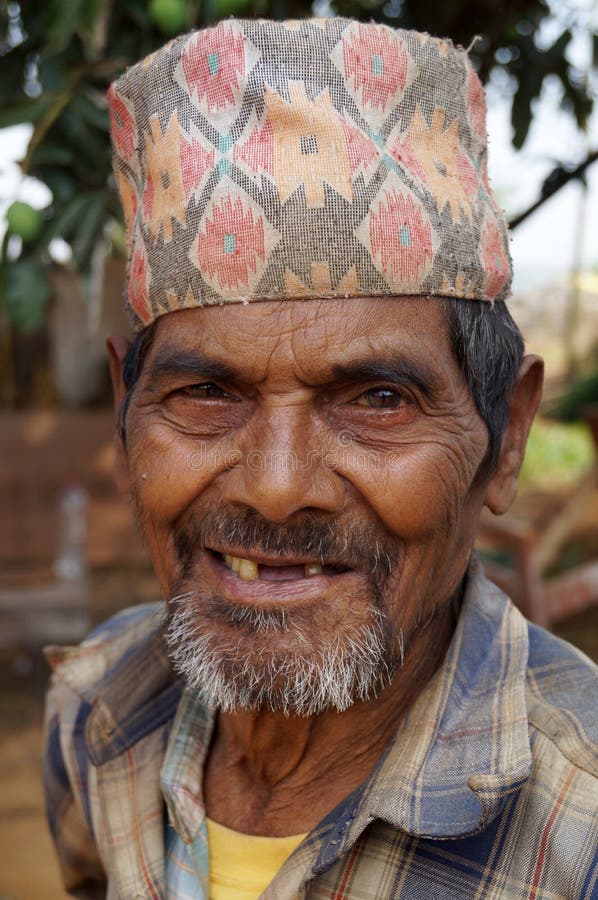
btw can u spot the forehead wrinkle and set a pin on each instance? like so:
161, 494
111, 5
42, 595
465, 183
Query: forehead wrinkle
302, 341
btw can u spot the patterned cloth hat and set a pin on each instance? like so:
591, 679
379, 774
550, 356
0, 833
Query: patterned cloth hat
263, 160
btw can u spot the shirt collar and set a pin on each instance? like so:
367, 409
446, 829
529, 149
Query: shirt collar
463, 747
461, 750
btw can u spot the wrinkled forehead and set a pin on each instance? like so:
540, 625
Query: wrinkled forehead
307, 339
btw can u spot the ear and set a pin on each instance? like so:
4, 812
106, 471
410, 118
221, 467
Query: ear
525, 399
117, 350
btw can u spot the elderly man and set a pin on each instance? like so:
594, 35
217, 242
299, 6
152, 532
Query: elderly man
334, 702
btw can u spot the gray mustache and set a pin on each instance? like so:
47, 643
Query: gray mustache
366, 549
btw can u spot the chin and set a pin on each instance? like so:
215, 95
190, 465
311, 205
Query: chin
244, 658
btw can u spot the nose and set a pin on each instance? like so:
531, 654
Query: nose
283, 468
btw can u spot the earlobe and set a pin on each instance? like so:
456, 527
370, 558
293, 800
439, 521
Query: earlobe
525, 399
117, 346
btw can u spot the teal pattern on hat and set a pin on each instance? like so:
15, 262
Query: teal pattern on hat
261, 160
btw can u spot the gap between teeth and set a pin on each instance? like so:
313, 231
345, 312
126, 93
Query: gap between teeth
248, 570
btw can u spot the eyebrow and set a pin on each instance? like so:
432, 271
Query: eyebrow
396, 370
174, 364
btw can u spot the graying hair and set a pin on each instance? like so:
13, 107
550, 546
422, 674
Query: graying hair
330, 675
489, 349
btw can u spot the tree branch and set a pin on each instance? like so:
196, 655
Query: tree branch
558, 178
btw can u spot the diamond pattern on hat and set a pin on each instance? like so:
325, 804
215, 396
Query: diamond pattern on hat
398, 235
164, 197
123, 127
253, 153
363, 153
213, 69
321, 283
259, 160
139, 281
129, 199
233, 243
376, 67
494, 256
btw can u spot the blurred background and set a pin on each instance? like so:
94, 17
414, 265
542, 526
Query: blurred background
69, 551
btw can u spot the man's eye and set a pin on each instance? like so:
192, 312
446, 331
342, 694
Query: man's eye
380, 398
207, 390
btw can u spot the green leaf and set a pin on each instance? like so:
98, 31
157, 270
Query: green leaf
26, 294
224, 8
521, 114
92, 9
89, 229
61, 184
65, 20
50, 154
90, 148
67, 220
29, 111
91, 112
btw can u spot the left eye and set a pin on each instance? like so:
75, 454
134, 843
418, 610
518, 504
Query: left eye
380, 398
207, 390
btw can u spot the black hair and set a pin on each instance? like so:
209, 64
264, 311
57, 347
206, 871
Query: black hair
132, 366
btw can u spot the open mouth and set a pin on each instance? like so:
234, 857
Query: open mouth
279, 570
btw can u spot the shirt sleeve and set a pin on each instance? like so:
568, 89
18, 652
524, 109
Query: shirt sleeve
65, 775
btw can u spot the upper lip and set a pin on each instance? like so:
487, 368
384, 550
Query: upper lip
265, 560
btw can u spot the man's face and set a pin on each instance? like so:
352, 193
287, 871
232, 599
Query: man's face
330, 448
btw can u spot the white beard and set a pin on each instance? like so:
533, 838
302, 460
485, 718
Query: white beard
331, 675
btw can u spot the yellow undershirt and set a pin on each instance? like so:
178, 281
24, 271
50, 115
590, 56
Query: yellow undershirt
242, 865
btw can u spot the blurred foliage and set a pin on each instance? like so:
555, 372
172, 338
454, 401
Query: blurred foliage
556, 455
57, 58
580, 397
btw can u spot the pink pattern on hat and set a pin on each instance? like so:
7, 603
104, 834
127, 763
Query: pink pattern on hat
476, 106
257, 151
362, 152
496, 261
139, 282
376, 62
213, 63
231, 243
401, 237
122, 125
467, 175
196, 164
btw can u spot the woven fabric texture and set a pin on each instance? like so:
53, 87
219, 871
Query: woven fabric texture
264, 160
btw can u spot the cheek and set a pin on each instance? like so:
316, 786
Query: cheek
419, 491
176, 469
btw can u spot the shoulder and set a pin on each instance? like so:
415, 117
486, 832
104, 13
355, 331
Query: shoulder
85, 673
562, 699
86, 666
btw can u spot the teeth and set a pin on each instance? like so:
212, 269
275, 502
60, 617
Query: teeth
247, 570
233, 562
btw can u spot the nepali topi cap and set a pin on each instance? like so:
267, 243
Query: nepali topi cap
260, 160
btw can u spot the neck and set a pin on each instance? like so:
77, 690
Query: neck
260, 762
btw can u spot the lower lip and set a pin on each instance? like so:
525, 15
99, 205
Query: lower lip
307, 588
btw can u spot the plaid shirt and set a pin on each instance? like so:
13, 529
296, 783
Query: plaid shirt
489, 788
